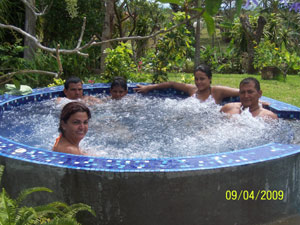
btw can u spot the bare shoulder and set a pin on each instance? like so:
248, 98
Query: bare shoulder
73, 150
68, 149
268, 114
91, 99
58, 100
232, 108
232, 105
65, 147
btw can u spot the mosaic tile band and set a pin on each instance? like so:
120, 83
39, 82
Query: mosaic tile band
19, 151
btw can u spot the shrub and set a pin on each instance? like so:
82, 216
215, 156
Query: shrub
119, 63
12, 213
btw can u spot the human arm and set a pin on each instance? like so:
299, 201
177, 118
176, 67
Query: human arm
187, 88
67, 149
231, 108
268, 114
221, 92
91, 100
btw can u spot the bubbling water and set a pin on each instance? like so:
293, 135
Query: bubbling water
145, 127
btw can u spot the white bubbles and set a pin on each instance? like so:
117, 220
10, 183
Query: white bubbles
152, 127
146, 127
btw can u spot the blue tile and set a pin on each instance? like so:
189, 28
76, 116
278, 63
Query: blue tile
241, 157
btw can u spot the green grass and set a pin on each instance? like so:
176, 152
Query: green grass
288, 91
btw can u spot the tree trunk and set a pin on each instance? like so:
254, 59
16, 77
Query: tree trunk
253, 37
197, 40
30, 25
107, 30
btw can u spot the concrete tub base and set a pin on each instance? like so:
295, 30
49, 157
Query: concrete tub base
147, 198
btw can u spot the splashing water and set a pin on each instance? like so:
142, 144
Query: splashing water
144, 127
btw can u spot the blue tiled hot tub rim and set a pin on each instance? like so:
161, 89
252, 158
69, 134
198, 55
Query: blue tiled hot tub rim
258, 154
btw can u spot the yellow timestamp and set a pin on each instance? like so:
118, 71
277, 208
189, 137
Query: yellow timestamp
263, 195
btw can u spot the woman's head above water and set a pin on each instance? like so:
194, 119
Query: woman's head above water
73, 126
202, 75
70, 110
202, 89
204, 69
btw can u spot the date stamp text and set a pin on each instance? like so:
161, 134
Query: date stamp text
263, 195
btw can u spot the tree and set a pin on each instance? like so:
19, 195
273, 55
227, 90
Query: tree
211, 8
107, 30
253, 37
30, 26
197, 37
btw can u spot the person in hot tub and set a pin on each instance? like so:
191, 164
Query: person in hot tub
118, 89
249, 93
74, 92
73, 126
202, 89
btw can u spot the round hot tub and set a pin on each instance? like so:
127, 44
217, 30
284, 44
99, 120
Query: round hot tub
249, 186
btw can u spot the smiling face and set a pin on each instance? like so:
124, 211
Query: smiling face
76, 126
118, 92
202, 81
249, 95
74, 91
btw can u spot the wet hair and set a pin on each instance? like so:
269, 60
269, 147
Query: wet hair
119, 81
205, 69
249, 80
70, 109
70, 80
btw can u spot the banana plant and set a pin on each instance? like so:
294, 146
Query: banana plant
211, 8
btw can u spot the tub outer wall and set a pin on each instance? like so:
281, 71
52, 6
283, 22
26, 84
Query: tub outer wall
154, 198
163, 198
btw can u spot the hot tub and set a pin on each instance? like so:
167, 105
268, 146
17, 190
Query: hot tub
248, 186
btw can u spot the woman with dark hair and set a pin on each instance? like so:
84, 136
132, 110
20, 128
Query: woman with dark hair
73, 126
202, 89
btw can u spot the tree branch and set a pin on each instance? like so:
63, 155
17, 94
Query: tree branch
29, 71
82, 32
58, 60
92, 42
142, 37
34, 10
76, 50
39, 45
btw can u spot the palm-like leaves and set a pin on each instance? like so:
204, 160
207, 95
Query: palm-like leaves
56, 213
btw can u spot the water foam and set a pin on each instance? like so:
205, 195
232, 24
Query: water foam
144, 127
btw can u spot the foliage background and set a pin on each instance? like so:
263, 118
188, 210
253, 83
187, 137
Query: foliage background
154, 59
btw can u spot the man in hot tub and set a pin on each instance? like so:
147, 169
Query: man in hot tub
249, 93
74, 92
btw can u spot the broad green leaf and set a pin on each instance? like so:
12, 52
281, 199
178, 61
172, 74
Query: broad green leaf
212, 6
17, 84
210, 23
227, 25
287, 56
283, 46
238, 4
198, 9
29, 191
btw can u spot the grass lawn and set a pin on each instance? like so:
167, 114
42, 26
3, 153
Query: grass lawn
288, 91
